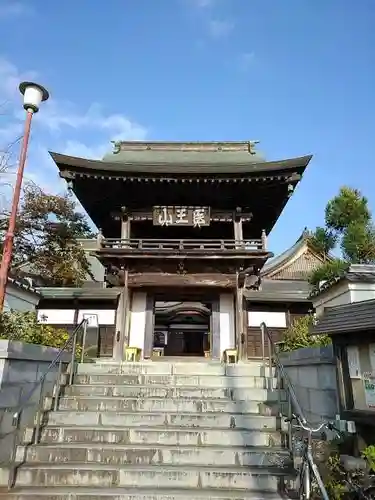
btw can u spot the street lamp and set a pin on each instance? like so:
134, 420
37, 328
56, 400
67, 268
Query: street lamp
33, 96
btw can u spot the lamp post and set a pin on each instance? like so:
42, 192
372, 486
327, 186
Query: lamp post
33, 95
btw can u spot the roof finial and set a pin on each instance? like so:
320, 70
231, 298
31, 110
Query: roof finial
251, 145
116, 147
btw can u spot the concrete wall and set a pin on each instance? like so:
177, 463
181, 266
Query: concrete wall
312, 372
21, 366
20, 299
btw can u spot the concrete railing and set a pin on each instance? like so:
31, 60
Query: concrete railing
312, 372
21, 367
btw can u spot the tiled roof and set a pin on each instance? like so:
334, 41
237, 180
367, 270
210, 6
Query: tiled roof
347, 318
90, 293
280, 291
277, 261
182, 163
357, 273
23, 283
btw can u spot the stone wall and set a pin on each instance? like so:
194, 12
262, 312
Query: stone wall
21, 366
312, 372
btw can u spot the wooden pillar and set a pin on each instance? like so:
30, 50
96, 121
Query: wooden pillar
125, 224
149, 327
239, 321
238, 231
122, 321
215, 332
99, 239
240, 332
264, 241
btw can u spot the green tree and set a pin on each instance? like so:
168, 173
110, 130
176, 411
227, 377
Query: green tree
347, 207
48, 227
24, 327
348, 228
298, 335
323, 240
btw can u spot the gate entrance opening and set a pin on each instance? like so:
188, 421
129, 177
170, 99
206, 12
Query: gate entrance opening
182, 328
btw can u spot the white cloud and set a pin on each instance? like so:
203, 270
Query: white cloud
10, 78
60, 126
14, 8
220, 29
76, 148
246, 60
202, 4
56, 116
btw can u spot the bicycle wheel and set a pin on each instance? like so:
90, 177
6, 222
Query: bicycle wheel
304, 490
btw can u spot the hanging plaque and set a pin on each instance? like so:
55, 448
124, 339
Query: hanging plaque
181, 216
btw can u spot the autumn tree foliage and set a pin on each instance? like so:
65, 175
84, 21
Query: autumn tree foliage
349, 228
46, 238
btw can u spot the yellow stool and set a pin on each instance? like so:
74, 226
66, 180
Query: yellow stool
230, 356
158, 352
133, 354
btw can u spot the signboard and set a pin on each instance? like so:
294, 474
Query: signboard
92, 320
181, 216
354, 362
369, 386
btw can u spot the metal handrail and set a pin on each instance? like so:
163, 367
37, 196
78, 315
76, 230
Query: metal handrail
17, 416
273, 356
294, 408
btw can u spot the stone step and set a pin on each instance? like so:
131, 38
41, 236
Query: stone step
126, 391
155, 455
163, 419
82, 493
92, 403
205, 381
251, 368
107, 476
157, 436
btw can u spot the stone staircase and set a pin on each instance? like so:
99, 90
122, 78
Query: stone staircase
158, 431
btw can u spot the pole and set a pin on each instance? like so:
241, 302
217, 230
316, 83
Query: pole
9, 237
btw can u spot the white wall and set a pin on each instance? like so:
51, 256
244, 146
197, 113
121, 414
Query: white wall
335, 296
227, 322
272, 319
361, 291
66, 316
19, 299
343, 293
56, 316
138, 320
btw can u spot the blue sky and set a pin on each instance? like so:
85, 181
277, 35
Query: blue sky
298, 75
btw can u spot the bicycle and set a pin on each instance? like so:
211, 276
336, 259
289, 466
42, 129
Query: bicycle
355, 488
308, 466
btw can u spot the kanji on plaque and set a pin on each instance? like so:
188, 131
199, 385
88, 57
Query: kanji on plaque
181, 216
165, 218
199, 217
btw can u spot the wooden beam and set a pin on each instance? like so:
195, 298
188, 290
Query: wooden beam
170, 280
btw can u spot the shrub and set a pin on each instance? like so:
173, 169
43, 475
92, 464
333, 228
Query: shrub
24, 327
298, 335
